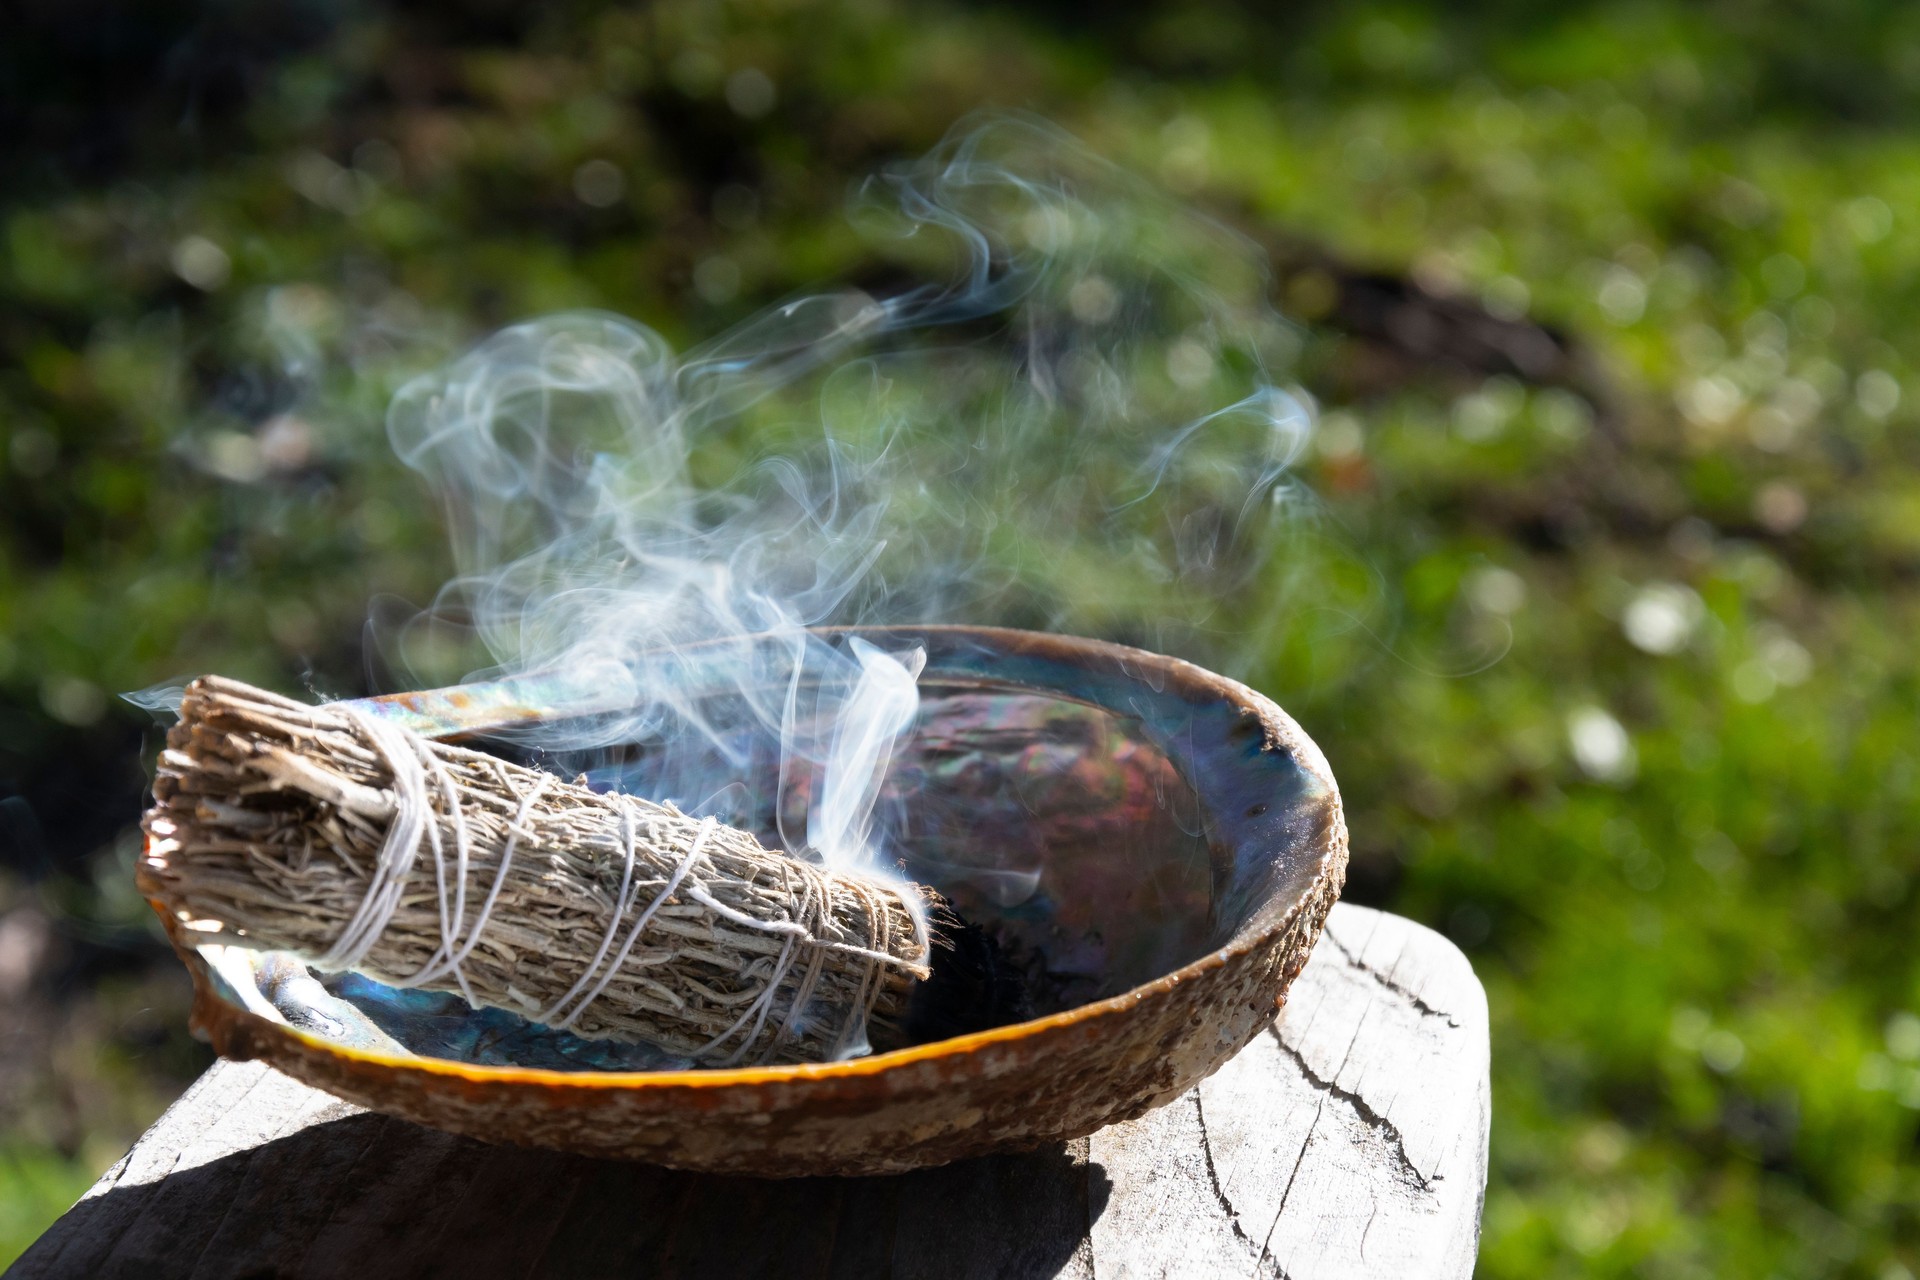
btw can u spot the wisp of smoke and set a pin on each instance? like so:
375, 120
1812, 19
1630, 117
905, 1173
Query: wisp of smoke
1076, 420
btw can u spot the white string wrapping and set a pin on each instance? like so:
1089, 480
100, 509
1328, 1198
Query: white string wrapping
633, 935
411, 761
411, 820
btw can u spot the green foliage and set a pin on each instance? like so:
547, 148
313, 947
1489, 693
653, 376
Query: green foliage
1621, 695
40, 1186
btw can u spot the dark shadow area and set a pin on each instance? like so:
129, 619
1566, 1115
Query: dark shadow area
90, 92
370, 1197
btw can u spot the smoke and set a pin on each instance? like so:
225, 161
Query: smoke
1081, 424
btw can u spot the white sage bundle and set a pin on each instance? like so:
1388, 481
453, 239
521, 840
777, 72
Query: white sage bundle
353, 843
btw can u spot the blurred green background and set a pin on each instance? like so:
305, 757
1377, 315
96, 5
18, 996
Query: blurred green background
1611, 315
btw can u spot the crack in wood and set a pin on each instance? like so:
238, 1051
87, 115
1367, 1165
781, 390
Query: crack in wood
1361, 1107
1262, 1260
1426, 1010
1293, 1176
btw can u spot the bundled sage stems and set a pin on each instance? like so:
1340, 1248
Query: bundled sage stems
356, 844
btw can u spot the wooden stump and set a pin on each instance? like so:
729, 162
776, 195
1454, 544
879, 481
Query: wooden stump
1348, 1141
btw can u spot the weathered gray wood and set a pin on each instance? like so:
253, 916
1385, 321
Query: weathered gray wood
1349, 1140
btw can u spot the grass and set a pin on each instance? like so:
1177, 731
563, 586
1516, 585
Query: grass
40, 1186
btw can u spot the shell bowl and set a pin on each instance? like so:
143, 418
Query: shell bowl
1166, 841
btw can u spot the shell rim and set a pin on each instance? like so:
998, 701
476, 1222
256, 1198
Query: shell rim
1280, 729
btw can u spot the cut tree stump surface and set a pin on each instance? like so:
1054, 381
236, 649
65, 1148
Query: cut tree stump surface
1348, 1140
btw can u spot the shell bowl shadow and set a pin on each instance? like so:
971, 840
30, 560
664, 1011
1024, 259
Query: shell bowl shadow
1166, 840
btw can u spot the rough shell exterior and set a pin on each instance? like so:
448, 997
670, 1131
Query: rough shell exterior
1036, 1082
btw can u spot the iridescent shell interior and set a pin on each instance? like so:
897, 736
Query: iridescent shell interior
1050, 798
